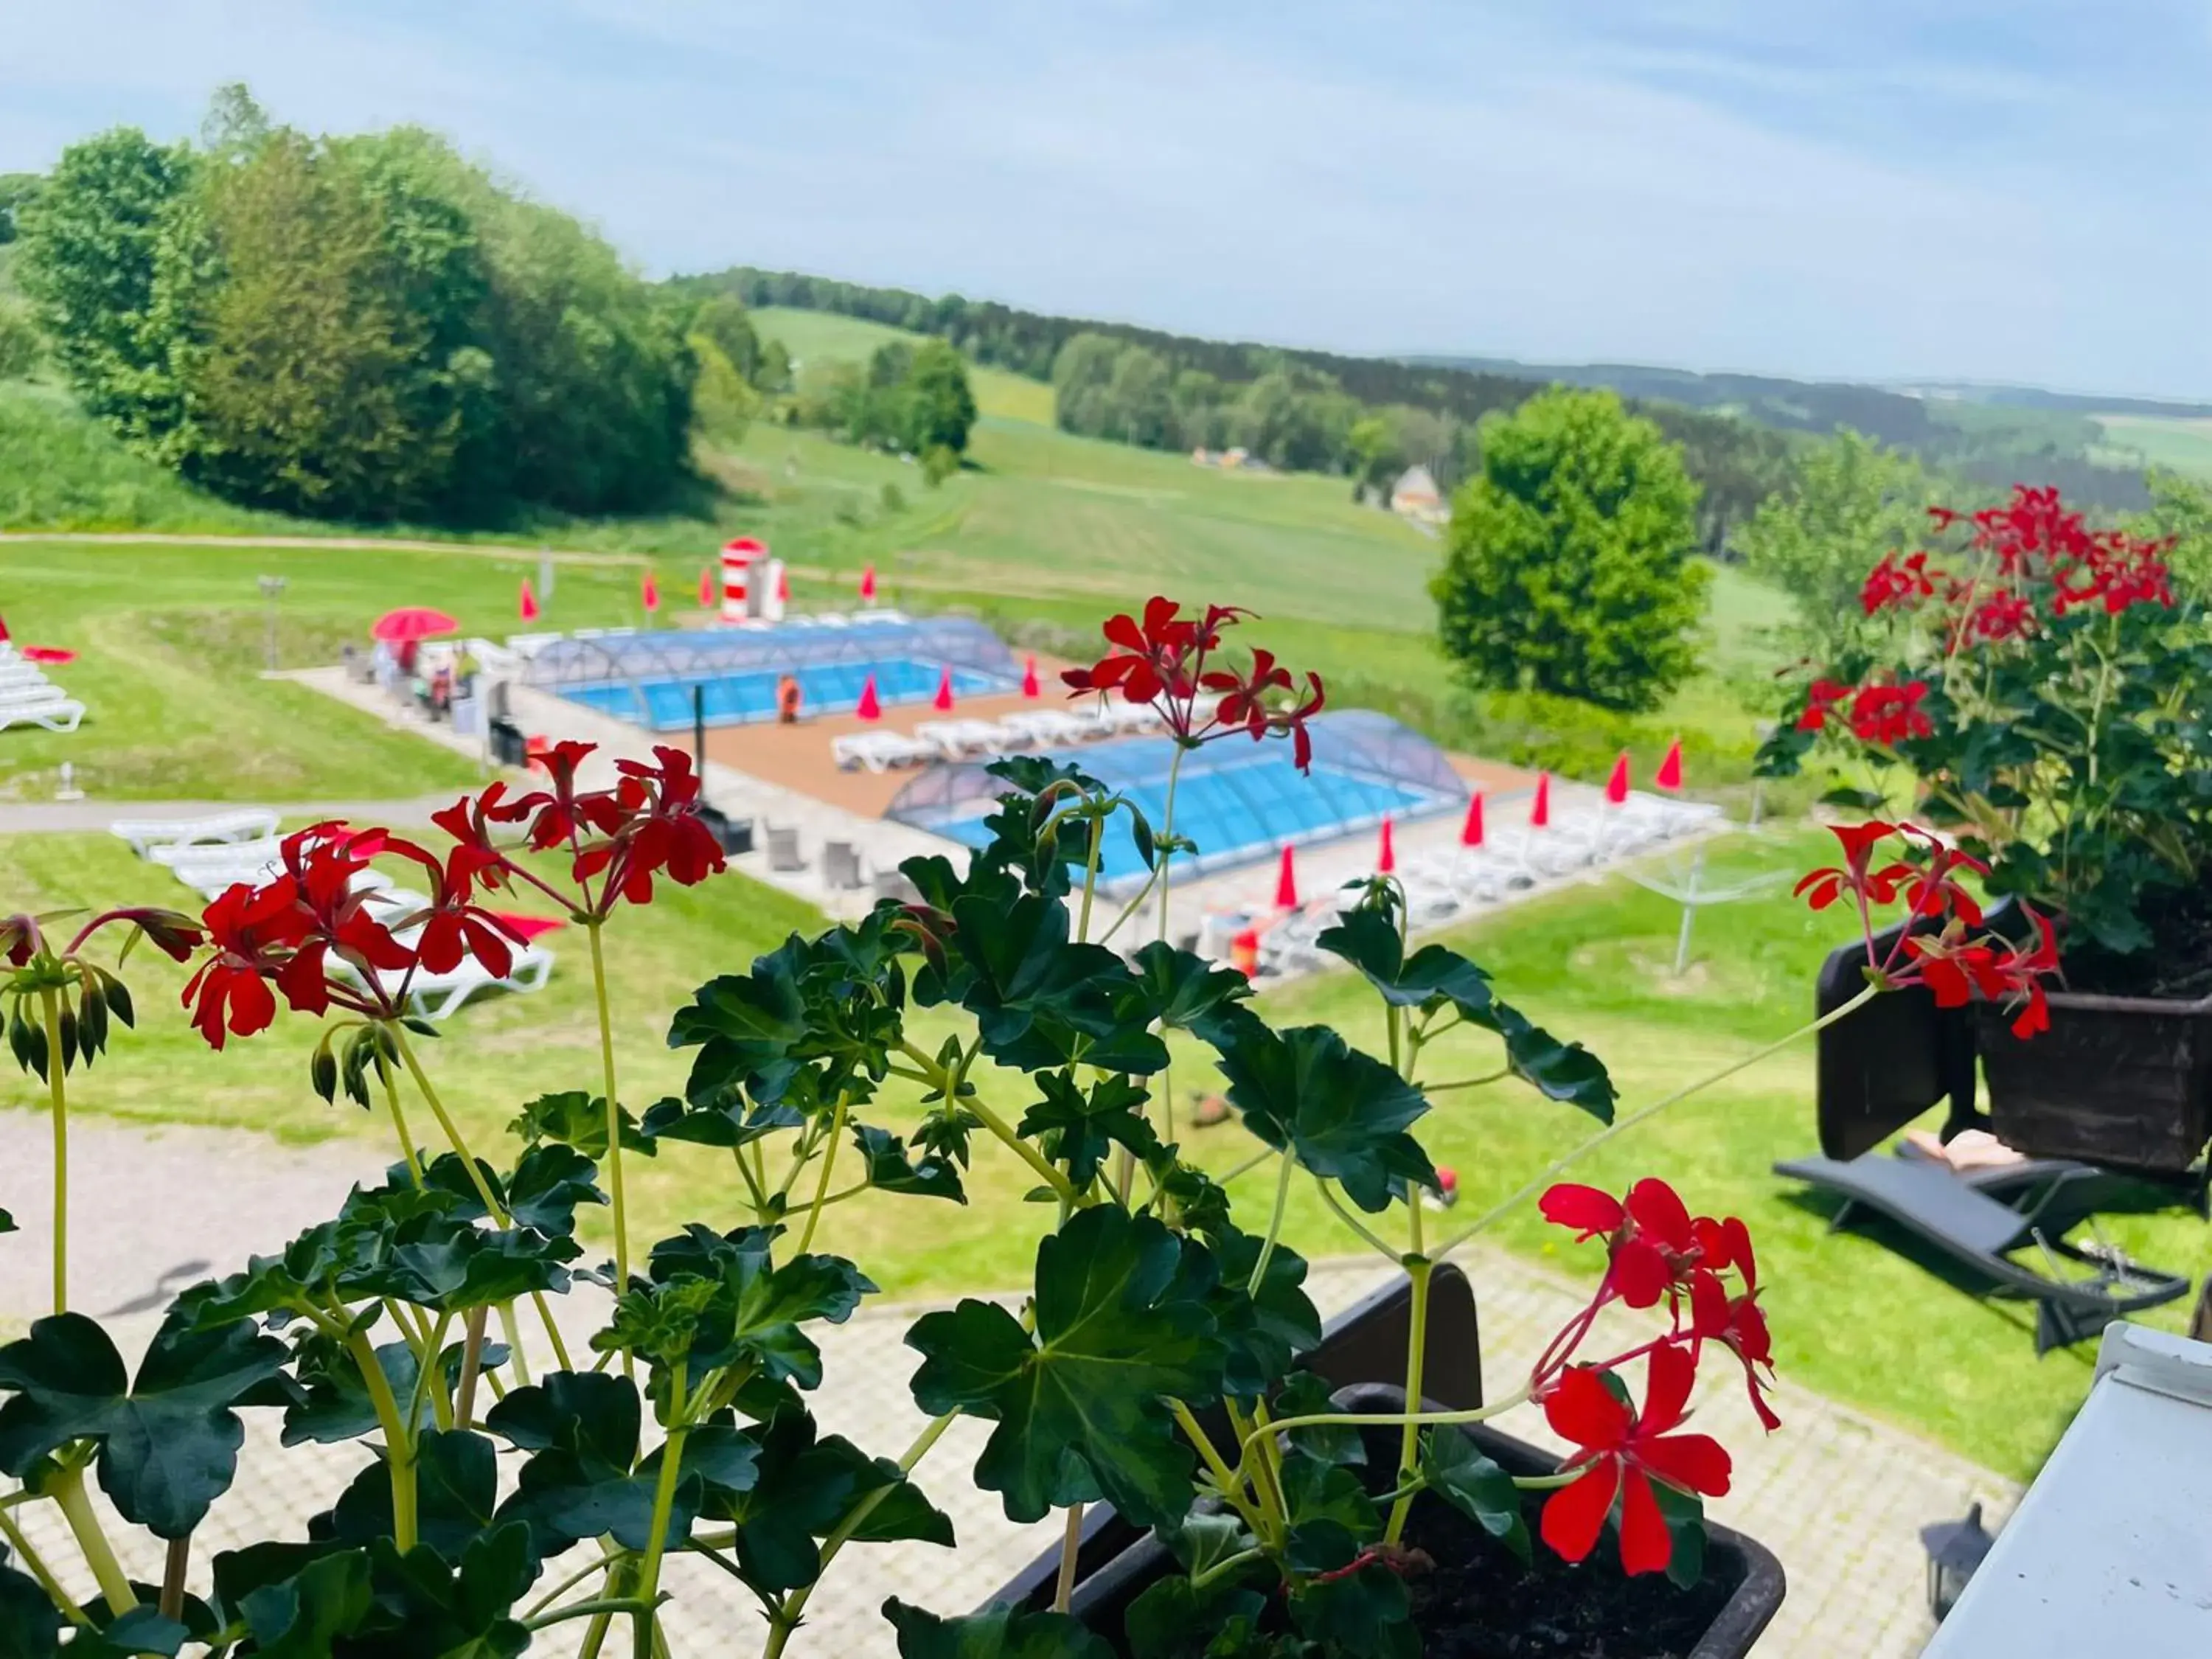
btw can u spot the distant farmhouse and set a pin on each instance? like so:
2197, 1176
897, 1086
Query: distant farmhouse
1416, 497
1229, 460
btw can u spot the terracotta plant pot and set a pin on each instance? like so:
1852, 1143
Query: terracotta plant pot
1743, 1585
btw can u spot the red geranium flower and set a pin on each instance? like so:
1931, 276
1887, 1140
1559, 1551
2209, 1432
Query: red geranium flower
252, 931
1821, 698
1888, 714
1652, 1240
1895, 584
1738, 1325
1955, 968
1621, 1452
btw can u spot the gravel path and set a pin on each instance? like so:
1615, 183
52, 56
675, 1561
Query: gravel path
1839, 1496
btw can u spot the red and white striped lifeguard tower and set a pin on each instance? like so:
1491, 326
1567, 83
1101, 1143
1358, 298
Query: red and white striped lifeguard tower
752, 582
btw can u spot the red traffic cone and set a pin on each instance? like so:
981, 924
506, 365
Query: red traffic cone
943, 700
649, 591
1616, 787
1031, 688
867, 584
529, 602
1386, 855
706, 587
1670, 775
1470, 833
1286, 882
1540, 811
870, 708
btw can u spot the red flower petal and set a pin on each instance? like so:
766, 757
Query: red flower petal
1575, 1514
1695, 1462
1660, 1214
1646, 1546
1581, 1408
1588, 1211
1667, 1377
1640, 1273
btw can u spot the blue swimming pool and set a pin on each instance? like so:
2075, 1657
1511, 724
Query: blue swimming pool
665, 705
1238, 801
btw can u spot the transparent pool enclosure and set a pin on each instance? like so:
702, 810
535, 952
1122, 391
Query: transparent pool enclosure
650, 678
1240, 800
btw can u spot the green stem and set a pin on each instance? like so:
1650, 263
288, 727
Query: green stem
784, 1621
1089, 879
511, 1329
1224, 1567
1047, 1170
465, 1393
606, 1559
39, 1570
1231, 1484
67, 1490
1417, 1356
614, 1110
398, 1439
822, 1187
399, 1120
58, 1093
1392, 1420
1274, 1225
606, 1607
1551, 1171
664, 1504
497, 1210
1071, 1541
1389, 1252
1498, 1075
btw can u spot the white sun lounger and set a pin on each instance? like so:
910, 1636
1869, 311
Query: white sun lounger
957, 738
244, 855
1046, 728
21, 673
224, 829
437, 997
32, 691
55, 714
879, 751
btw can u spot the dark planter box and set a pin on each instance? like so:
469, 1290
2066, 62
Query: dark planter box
1887, 1064
732, 835
508, 745
1363, 1353
2121, 1081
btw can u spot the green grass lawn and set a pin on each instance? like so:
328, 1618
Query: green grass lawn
1853, 1317
2179, 442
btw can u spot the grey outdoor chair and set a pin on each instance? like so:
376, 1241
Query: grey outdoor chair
1939, 1207
841, 867
783, 849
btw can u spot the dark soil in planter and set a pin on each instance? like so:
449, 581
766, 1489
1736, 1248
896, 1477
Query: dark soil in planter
1482, 1603
2177, 963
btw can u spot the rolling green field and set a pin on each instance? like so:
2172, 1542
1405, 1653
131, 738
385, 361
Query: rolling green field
2182, 444
1853, 1317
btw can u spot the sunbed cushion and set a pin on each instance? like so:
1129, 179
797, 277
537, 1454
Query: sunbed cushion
1924, 1196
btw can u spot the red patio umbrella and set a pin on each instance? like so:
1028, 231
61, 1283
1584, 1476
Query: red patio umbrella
1470, 833
1386, 855
867, 584
1286, 882
414, 622
870, 708
528, 604
1540, 813
783, 584
3, 631
1031, 688
706, 587
1670, 775
943, 700
649, 591
1616, 787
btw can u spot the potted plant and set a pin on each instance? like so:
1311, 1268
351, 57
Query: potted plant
1159, 1364
2037, 688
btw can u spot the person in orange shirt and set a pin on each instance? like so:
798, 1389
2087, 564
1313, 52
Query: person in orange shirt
787, 701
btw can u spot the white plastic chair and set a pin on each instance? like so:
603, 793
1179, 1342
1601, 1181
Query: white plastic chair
219, 828
56, 714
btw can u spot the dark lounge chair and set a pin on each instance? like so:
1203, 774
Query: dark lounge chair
1935, 1204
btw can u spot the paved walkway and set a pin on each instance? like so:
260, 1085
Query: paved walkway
1839, 1496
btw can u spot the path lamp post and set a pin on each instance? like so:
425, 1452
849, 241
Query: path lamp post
272, 588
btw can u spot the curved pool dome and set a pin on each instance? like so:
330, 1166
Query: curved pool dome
1238, 800
649, 678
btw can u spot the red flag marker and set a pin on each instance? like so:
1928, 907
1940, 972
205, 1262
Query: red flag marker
1470, 833
943, 700
1031, 688
707, 587
1386, 855
1670, 775
870, 708
1540, 811
783, 584
649, 591
529, 603
1286, 882
867, 584
1616, 787
4, 632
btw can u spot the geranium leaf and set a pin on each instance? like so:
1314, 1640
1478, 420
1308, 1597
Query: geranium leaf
1304, 1395
1559, 1070
744, 1026
891, 1170
7, 1222
1261, 1330
803, 1487
1457, 1471
727, 1120
1173, 1620
1187, 992
457, 1489
580, 1120
581, 1481
1001, 1633
1366, 1613
303, 1617
29, 1623
1345, 1113
1685, 1515
463, 1611
1080, 1407
1080, 1129
168, 1442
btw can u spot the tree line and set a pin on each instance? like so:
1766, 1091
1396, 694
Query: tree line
1363, 417
365, 327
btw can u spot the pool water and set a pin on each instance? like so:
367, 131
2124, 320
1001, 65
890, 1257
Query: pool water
736, 699
1236, 811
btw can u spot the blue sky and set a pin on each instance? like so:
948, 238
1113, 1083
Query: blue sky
1862, 189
